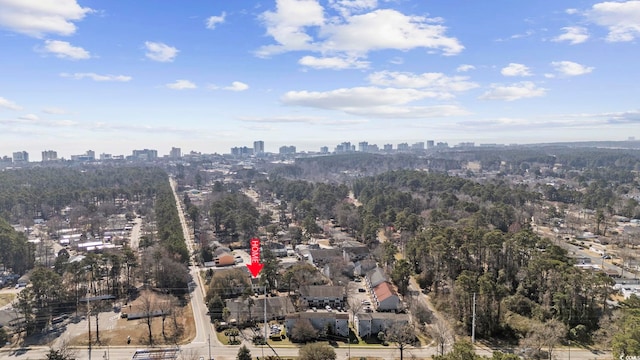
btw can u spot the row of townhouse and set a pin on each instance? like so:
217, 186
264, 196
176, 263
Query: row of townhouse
336, 323
384, 295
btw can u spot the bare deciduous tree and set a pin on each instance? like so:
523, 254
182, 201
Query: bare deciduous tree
148, 307
545, 335
403, 335
441, 334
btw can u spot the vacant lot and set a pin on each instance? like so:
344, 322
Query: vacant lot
179, 325
6, 298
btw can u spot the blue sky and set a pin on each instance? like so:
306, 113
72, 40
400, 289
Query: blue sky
118, 75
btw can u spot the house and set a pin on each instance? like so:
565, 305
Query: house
256, 288
370, 324
225, 259
361, 268
277, 308
375, 277
334, 323
24, 280
322, 257
354, 250
385, 297
278, 249
320, 296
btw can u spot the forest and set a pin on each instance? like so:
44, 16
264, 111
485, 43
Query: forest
91, 193
463, 239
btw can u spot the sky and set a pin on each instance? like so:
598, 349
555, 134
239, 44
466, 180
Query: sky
208, 75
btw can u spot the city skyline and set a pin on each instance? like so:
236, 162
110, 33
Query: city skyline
113, 76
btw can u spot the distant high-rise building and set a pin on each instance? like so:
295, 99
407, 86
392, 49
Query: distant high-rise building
466, 144
324, 149
419, 146
344, 147
388, 147
49, 155
241, 151
403, 147
145, 155
175, 153
258, 147
20, 157
287, 150
105, 156
363, 146
89, 155
430, 144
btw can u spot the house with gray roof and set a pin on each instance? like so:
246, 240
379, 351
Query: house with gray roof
370, 324
354, 250
332, 322
320, 296
251, 309
322, 257
361, 268
375, 277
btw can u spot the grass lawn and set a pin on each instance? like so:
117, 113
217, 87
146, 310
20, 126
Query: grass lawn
6, 298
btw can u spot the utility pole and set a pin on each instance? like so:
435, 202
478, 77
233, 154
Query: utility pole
89, 318
473, 321
265, 318
209, 341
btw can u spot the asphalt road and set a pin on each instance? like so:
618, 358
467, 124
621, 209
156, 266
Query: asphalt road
230, 352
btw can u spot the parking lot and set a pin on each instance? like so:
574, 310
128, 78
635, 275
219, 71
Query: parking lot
358, 296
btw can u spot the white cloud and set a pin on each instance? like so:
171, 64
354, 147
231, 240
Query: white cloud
39, 17
97, 77
622, 19
347, 7
161, 52
54, 111
436, 82
181, 85
301, 25
65, 50
8, 104
373, 102
514, 69
355, 97
571, 11
465, 68
336, 63
397, 60
212, 21
409, 112
521, 90
287, 25
237, 86
387, 29
301, 119
29, 117
570, 68
573, 34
